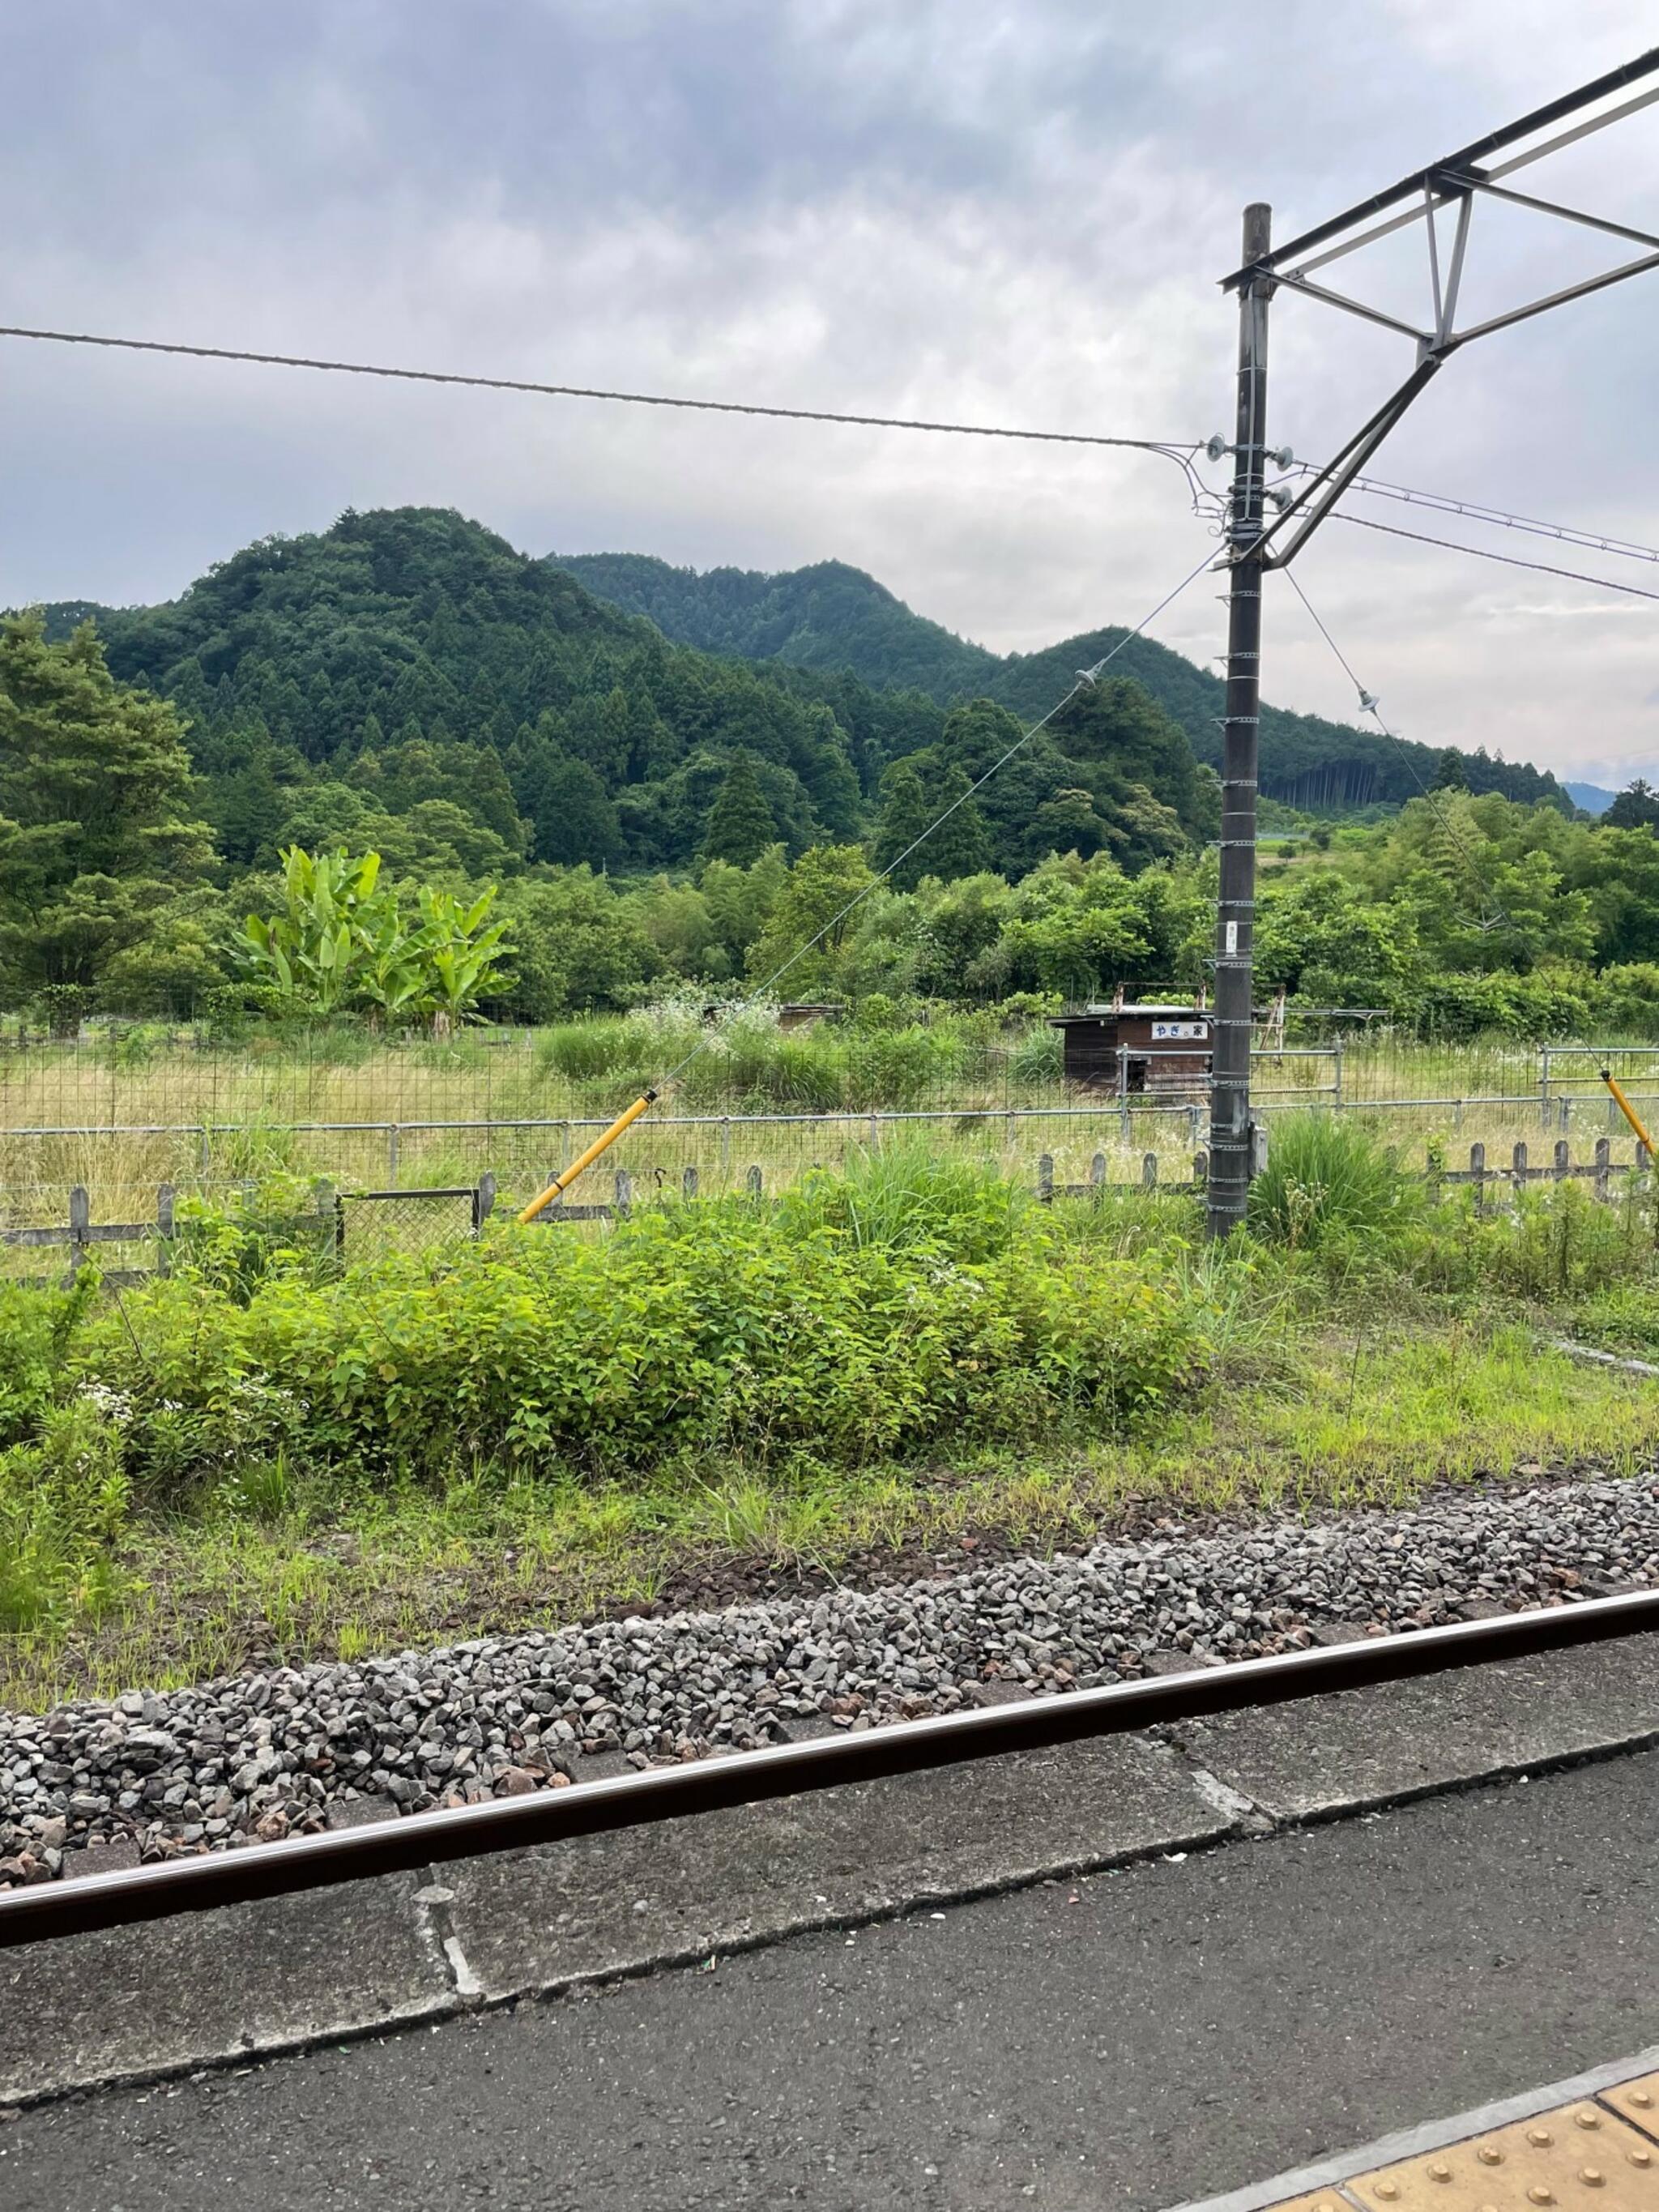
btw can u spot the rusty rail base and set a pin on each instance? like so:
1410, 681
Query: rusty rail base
211, 1879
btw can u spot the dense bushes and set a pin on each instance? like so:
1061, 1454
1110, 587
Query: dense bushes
62, 1486
747, 1063
866, 1317
905, 1310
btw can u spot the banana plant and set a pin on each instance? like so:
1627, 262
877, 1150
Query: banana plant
462, 951
393, 979
316, 950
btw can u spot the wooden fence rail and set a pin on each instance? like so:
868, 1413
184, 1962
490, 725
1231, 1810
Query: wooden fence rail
1491, 1185
80, 1233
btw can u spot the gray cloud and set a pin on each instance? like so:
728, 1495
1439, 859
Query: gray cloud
1008, 212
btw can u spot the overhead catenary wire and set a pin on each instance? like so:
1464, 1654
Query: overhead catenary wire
1176, 449
1208, 499
1485, 553
1565, 533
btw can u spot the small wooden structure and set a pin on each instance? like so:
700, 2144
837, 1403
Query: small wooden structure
1138, 1046
804, 1014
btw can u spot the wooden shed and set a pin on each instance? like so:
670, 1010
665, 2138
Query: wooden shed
1164, 1048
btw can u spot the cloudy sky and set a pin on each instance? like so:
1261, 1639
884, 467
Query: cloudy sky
996, 211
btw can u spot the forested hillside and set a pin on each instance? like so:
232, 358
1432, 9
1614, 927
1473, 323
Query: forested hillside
832, 617
655, 813
406, 681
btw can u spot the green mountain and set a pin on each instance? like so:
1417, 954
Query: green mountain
409, 663
830, 618
827, 616
407, 680
1590, 798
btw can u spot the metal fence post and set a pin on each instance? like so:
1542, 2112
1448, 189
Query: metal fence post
1123, 1092
1149, 1171
484, 1200
1544, 1084
1045, 1189
80, 1220
725, 1145
164, 1230
1478, 1176
1603, 1151
1336, 1086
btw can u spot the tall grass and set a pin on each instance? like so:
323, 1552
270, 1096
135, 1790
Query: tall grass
1327, 1179
910, 1200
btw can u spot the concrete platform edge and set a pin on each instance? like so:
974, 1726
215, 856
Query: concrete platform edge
1413, 2142
1193, 1834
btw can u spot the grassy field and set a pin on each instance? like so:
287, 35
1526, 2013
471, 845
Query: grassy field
125, 1112
914, 1365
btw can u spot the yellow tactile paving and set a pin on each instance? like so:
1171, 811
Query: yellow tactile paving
1587, 2156
1638, 2100
1579, 2155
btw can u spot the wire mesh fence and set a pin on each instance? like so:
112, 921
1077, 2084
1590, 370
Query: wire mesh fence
373, 1224
119, 1112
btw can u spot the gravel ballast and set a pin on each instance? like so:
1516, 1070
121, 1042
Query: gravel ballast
262, 1755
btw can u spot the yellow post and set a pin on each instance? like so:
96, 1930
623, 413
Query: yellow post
1627, 1108
601, 1144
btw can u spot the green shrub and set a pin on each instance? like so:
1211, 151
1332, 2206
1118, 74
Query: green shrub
902, 1068
1039, 1058
62, 1504
1328, 1180
713, 1328
278, 1224
1551, 1242
601, 1047
1622, 1317
36, 1327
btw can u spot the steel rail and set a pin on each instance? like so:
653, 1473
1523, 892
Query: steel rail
212, 1880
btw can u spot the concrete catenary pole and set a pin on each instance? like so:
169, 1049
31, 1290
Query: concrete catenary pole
1230, 1097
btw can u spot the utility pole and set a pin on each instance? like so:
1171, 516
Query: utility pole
1450, 188
1230, 1065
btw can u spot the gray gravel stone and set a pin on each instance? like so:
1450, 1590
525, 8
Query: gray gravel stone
264, 1755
